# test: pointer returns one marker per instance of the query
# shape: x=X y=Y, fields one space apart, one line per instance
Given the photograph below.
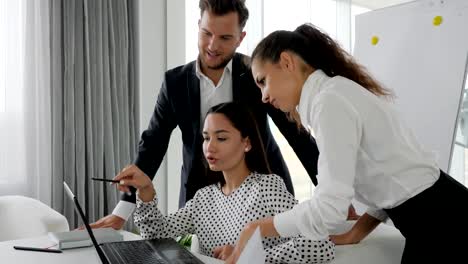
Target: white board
x=424 y=64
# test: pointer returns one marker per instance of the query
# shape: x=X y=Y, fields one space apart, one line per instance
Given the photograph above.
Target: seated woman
x=245 y=191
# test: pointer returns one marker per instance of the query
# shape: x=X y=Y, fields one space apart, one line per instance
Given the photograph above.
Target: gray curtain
x=94 y=101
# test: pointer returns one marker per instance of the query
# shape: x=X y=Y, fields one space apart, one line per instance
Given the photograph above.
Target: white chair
x=22 y=217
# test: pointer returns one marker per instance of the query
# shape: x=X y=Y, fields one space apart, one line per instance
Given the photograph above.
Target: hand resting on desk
x=111 y=220
x=358 y=232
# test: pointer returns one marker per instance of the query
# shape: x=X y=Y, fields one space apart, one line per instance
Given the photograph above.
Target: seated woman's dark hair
x=243 y=120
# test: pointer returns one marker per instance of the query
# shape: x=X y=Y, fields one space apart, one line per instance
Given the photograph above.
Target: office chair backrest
x=23 y=217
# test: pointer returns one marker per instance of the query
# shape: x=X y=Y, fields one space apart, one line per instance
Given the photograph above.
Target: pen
x=50 y=250
x=105 y=180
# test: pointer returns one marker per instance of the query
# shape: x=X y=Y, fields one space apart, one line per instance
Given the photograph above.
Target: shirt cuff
x=377 y=213
x=124 y=209
x=140 y=203
x=285 y=224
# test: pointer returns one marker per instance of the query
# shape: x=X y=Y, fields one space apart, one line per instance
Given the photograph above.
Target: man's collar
x=199 y=73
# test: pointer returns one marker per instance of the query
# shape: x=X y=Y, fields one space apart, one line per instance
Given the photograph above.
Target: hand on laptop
x=133 y=176
x=111 y=220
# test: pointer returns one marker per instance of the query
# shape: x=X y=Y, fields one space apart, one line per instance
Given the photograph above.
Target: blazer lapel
x=193 y=83
x=239 y=72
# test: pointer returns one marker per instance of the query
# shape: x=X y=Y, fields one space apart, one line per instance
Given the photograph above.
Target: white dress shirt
x=365 y=152
x=210 y=95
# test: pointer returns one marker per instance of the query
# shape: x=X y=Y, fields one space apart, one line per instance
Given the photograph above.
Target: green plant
x=185 y=241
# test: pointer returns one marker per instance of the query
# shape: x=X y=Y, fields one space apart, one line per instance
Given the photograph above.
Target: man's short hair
x=223 y=7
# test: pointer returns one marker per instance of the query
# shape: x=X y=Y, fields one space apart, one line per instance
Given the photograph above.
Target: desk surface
x=86 y=255
x=383 y=246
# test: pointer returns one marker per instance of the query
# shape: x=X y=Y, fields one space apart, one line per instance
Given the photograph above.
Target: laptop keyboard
x=137 y=253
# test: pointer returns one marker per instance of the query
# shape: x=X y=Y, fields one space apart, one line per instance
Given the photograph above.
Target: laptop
x=155 y=251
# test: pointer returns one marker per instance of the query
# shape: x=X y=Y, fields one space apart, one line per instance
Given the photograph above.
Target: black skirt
x=434 y=223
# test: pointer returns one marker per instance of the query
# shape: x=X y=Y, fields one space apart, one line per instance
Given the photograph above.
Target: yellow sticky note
x=374 y=40
x=437 y=20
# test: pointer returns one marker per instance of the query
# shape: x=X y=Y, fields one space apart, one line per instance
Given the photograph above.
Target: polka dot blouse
x=217 y=219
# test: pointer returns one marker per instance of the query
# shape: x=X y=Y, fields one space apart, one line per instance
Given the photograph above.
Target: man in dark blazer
x=180 y=103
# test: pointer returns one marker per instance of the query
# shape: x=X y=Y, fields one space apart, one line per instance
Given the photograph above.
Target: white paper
x=253 y=252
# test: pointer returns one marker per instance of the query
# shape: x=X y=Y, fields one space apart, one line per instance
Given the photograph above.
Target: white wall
x=152 y=65
x=175 y=27
x=161 y=47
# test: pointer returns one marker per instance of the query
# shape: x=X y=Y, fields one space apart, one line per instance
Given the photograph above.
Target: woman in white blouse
x=366 y=152
x=244 y=191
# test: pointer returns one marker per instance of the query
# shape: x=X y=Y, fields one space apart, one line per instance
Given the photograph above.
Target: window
x=459 y=159
x=11 y=63
x=2 y=54
x=11 y=92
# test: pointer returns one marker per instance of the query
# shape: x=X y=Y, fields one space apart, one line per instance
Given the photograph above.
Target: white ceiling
x=376 y=4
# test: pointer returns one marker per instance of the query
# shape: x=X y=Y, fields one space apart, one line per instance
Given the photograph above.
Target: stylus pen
x=50 y=250
x=104 y=180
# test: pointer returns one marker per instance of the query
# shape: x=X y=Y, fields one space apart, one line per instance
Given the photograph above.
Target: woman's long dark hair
x=320 y=51
x=243 y=120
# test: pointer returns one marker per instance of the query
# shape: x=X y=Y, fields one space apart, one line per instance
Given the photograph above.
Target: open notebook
x=80 y=238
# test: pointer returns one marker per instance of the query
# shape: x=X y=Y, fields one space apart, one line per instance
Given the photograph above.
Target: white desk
x=383 y=246
x=86 y=255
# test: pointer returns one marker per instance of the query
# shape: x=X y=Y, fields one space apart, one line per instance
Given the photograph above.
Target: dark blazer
x=178 y=104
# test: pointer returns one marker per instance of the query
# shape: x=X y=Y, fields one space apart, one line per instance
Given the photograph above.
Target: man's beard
x=220 y=65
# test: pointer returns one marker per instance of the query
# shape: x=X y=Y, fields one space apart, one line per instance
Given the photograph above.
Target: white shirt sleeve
x=285 y=224
x=337 y=128
x=296 y=249
x=124 y=209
